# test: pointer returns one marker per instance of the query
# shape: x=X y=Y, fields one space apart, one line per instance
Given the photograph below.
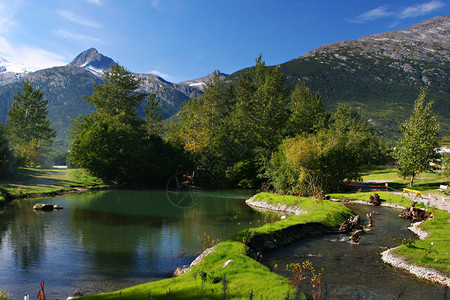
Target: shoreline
x=422 y=272
x=387 y=256
x=279 y=208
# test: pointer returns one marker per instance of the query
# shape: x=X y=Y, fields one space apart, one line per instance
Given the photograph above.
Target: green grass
x=427 y=182
x=434 y=251
x=420 y=252
x=28 y=182
x=384 y=196
x=244 y=275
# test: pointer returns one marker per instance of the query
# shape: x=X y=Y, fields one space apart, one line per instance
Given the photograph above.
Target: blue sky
x=187 y=39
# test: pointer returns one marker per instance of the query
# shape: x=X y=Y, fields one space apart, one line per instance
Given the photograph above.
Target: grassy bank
x=29 y=182
x=434 y=251
x=384 y=196
x=244 y=276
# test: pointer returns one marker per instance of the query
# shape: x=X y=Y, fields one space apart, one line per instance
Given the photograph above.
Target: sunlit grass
x=33 y=181
x=426 y=182
x=434 y=251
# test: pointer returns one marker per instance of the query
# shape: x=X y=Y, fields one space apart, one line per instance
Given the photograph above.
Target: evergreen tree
x=261 y=108
x=115 y=144
x=5 y=154
x=419 y=143
x=110 y=142
x=306 y=112
x=153 y=116
x=28 y=127
x=118 y=94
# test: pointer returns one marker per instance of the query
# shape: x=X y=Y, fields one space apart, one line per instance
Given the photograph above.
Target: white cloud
x=420 y=9
x=374 y=14
x=397 y=12
x=7 y=12
x=30 y=56
x=160 y=74
x=98 y=2
x=77 y=19
x=78 y=37
x=18 y=52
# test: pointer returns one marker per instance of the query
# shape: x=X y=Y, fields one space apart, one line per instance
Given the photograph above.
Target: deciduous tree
x=419 y=143
x=28 y=127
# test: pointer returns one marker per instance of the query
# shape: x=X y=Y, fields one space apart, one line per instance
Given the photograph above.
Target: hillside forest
x=257 y=132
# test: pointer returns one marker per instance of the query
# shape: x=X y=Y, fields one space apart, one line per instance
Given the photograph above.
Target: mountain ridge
x=380 y=73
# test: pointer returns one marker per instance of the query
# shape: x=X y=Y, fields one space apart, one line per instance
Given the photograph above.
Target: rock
x=43 y=207
x=180 y=270
x=56 y=206
x=227 y=263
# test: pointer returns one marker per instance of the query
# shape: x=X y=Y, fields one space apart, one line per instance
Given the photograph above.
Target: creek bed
x=356 y=271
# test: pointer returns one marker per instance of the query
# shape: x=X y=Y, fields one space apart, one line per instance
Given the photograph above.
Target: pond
x=356 y=271
x=108 y=240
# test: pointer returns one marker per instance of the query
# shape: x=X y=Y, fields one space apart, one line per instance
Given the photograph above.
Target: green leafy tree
x=28 y=127
x=114 y=143
x=5 y=154
x=109 y=142
x=306 y=112
x=108 y=147
x=261 y=108
x=118 y=94
x=419 y=143
x=362 y=139
x=445 y=163
x=308 y=164
x=153 y=116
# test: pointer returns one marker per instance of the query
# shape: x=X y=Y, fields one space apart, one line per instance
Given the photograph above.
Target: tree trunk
x=412 y=180
x=369 y=217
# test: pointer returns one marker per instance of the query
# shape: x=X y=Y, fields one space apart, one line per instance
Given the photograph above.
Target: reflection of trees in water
x=27 y=237
x=115 y=241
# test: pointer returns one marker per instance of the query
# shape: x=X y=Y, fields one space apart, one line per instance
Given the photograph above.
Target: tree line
x=252 y=133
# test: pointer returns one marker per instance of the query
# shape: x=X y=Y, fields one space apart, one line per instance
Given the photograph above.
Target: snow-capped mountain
x=93 y=61
x=10 y=71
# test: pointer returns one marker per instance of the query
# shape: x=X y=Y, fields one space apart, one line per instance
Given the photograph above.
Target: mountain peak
x=199 y=82
x=92 y=59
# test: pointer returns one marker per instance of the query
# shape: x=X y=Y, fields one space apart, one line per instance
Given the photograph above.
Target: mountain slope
x=382 y=73
x=65 y=87
x=199 y=82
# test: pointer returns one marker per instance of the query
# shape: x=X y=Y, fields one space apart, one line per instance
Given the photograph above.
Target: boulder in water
x=43 y=207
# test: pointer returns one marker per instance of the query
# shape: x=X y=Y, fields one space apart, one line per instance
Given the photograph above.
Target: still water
x=108 y=240
x=356 y=271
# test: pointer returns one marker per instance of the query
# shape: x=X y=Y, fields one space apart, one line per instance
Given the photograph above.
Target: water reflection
x=109 y=240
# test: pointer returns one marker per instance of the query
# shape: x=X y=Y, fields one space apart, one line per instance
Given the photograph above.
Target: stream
x=356 y=271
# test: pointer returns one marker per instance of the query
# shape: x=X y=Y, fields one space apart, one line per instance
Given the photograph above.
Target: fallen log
x=375 y=200
x=413 y=213
x=356 y=236
x=369 y=218
x=350 y=225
